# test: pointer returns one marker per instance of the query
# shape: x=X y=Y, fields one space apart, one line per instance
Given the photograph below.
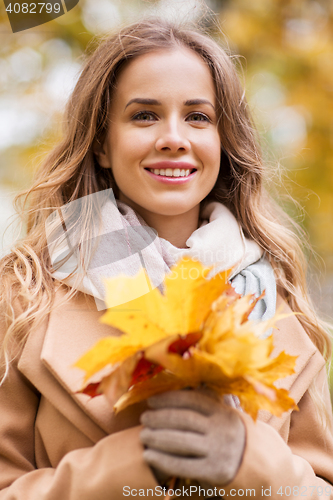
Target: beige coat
x=58 y=445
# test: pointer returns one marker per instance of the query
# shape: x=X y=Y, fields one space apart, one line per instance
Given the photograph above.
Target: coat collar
x=73 y=327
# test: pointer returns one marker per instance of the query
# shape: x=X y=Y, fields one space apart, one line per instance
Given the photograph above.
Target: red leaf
x=91 y=390
x=144 y=370
x=181 y=345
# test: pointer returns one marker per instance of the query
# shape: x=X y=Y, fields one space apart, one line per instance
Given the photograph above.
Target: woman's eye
x=144 y=116
x=198 y=117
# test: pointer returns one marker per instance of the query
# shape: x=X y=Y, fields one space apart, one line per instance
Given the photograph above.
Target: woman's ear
x=101 y=154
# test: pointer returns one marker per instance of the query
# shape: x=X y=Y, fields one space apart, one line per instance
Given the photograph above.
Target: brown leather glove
x=193 y=435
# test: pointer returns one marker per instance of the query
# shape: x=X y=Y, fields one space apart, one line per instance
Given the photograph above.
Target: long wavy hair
x=71 y=171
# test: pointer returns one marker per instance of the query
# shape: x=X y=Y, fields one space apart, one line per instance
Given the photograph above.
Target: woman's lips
x=181 y=165
x=171 y=180
x=171 y=164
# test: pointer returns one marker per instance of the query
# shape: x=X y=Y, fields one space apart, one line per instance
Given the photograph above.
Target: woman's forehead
x=163 y=72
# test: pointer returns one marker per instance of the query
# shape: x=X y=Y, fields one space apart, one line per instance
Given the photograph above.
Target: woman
x=158 y=116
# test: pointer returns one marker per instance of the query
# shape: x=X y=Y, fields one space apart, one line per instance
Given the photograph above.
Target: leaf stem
x=170 y=487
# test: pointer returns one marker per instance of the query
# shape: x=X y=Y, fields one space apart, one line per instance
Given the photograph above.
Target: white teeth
x=169 y=172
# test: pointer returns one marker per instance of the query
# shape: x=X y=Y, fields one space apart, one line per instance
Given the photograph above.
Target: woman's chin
x=173 y=209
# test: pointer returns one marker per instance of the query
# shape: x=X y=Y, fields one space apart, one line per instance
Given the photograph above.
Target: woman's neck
x=174 y=228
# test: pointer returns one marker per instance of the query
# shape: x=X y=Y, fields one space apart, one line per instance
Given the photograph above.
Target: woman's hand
x=193 y=435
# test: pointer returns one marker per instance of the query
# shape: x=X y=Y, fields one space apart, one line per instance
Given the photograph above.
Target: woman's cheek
x=136 y=144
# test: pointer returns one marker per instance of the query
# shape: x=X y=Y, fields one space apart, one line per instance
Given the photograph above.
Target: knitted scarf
x=123 y=244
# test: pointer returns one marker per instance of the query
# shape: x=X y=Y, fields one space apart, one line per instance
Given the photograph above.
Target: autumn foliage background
x=286 y=64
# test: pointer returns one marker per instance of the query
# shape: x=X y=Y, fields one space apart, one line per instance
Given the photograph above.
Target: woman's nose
x=172 y=138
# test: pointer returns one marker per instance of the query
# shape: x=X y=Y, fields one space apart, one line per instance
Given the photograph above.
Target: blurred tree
x=288 y=59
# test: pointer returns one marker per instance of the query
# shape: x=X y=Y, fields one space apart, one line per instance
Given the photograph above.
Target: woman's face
x=163 y=144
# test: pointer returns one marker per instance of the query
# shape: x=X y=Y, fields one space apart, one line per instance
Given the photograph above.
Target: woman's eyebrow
x=154 y=102
x=195 y=102
x=147 y=102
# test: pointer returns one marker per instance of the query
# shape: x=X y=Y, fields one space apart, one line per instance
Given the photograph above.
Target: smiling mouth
x=172 y=172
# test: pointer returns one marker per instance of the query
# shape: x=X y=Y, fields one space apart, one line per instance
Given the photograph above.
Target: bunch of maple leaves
x=195 y=333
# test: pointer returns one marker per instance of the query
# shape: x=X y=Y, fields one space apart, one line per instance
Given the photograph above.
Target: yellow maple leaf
x=231 y=359
x=153 y=316
x=181 y=309
x=196 y=333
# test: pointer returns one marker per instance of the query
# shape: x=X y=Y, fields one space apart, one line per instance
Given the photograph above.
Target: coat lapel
x=47 y=361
